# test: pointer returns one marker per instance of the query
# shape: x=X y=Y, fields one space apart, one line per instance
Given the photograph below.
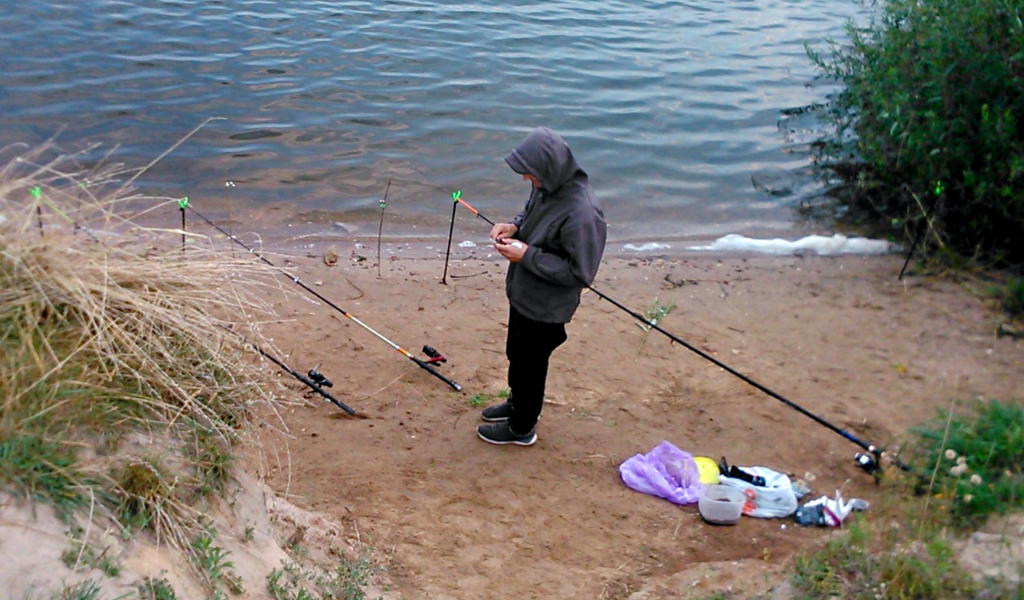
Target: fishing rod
x=870 y=463
x=314 y=380
x=451 y=229
x=423 y=364
x=380 y=228
x=317 y=386
x=921 y=229
x=456 y=195
x=456 y=201
x=313 y=385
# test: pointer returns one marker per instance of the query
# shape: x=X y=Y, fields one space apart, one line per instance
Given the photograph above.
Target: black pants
x=528 y=348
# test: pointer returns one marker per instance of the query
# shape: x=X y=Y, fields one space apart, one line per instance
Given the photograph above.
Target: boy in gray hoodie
x=554 y=247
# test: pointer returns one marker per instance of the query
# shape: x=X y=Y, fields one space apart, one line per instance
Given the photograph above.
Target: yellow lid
x=708 y=469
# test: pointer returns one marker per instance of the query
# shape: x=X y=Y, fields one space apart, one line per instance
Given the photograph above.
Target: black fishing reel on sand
x=875 y=461
x=869 y=463
x=318 y=378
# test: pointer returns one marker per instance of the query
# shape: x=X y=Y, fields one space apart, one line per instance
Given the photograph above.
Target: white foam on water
x=648 y=247
x=823 y=245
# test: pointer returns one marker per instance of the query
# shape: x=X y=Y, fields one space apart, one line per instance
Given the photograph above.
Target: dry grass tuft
x=102 y=336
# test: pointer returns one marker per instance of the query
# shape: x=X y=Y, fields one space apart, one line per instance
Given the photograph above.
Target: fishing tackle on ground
x=737 y=473
x=423 y=364
x=306 y=380
x=311 y=382
x=434 y=355
x=870 y=462
x=318 y=378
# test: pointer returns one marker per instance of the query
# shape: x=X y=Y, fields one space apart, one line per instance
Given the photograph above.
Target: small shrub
x=849 y=567
x=209 y=451
x=351 y=576
x=345 y=582
x=653 y=314
x=1012 y=296
x=212 y=561
x=156 y=589
x=81 y=553
x=145 y=492
x=86 y=590
x=978 y=462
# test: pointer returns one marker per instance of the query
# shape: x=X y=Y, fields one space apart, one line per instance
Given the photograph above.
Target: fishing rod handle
x=316 y=388
x=309 y=382
x=435 y=373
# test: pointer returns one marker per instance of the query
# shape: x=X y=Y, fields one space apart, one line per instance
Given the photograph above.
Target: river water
x=673 y=107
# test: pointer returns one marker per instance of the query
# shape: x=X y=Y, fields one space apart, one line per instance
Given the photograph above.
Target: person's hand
x=513 y=250
x=503 y=230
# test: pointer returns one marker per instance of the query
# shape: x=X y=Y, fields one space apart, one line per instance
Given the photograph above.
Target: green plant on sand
x=484 y=399
x=653 y=314
x=977 y=461
x=345 y=582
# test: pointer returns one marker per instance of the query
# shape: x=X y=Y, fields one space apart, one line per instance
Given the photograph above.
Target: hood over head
x=546 y=156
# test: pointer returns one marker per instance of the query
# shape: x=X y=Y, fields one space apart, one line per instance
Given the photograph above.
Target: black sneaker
x=497 y=413
x=501 y=433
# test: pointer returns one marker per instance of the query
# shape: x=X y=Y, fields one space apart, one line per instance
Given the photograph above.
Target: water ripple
x=670 y=105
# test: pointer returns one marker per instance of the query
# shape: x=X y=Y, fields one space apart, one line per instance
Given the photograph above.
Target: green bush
x=978 y=461
x=931 y=122
x=1012 y=296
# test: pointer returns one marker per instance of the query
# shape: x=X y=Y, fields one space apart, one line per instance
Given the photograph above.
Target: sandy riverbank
x=839 y=336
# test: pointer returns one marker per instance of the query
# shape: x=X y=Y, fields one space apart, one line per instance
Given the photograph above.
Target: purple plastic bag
x=666 y=472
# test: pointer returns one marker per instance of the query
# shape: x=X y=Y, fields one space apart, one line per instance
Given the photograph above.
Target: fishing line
x=300 y=283
x=456 y=196
x=139 y=173
x=868 y=462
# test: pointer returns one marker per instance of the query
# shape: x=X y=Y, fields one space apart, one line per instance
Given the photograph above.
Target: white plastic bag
x=827 y=512
x=775 y=499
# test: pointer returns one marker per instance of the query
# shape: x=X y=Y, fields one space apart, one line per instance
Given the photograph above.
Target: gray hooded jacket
x=563 y=226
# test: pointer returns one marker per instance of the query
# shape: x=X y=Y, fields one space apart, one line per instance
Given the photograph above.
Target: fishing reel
x=318 y=378
x=866 y=462
x=870 y=463
x=434 y=357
